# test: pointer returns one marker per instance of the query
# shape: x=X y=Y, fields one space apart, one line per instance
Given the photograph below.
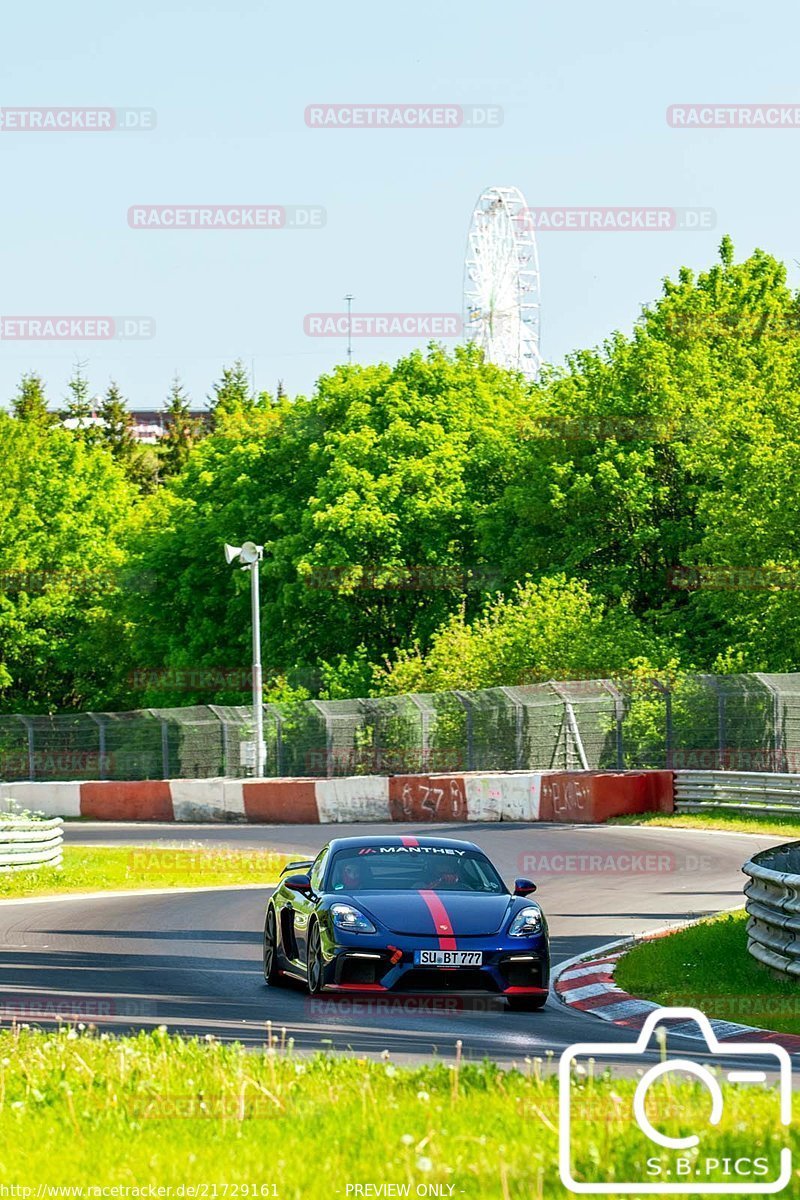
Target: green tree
x=232 y=395
x=117 y=428
x=553 y=629
x=63 y=508
x=181 y=430
x=80 y=407
x=30 y=402
x=367 y=497
x=675 y=446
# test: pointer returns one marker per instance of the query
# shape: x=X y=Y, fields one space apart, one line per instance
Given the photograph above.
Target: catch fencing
x=26 y=843
x=695 y=723
x=773 y=907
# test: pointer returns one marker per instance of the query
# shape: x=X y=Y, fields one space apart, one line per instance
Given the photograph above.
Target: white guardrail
x=26 y=842
x=753 y=791
x=773 y=907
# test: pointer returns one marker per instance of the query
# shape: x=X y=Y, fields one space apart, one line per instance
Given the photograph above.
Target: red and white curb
x=587 y=985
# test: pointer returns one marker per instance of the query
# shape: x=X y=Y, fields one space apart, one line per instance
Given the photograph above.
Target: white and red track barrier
x=561 y=796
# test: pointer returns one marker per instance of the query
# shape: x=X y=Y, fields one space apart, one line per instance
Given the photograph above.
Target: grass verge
x=707 y=966
x=733 y=822
x=123 y=868
x=81 y=1111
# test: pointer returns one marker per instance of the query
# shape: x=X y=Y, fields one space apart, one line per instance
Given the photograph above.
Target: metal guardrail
x=773 y=905
x=753 y=791
x=26 y=843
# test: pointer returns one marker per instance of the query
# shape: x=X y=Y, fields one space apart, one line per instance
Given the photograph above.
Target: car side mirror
x=298 y=883
x=524 y=887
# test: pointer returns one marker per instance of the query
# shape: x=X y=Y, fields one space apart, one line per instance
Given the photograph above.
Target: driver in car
x=439 y=874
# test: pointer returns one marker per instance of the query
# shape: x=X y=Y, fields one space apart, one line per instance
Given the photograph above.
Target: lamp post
x=248 y=556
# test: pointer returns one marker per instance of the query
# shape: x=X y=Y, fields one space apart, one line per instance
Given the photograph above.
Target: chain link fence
x=696 y=722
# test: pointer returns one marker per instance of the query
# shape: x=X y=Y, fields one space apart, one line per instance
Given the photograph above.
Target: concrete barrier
x=360 y=798
x=594 y=796
x=281 y=801
x=53 y=799
x=145 y=800
x=513 y=796
x=560 y=796
x=427 y=798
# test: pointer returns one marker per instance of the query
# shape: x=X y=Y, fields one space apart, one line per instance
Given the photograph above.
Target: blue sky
x=584 y=88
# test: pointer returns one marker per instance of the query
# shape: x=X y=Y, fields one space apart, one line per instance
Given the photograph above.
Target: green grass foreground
x=123 y=868
x=725 y=819
x=84 y=1110
x=707 y=966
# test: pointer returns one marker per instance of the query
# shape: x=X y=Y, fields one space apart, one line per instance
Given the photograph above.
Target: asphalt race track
x=192 y=960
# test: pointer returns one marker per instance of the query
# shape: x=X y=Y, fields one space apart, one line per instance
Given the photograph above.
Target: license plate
x=448 y=958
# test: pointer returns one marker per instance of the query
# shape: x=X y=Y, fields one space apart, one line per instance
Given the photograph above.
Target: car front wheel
x=314 y=962
x=272 y=975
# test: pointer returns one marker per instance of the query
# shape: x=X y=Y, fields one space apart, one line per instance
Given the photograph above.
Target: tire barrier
x=560 y=796
x=26 y=843
x=773 y=906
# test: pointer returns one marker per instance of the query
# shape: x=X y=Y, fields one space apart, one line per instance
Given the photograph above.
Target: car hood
x=436 y=913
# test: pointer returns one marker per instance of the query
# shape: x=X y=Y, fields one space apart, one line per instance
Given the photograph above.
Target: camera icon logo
x=673 y=1162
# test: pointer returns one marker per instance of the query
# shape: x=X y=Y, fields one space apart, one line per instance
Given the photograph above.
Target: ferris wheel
x=501 y=282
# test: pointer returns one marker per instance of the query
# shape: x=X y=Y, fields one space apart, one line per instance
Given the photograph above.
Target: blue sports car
x=406 y=914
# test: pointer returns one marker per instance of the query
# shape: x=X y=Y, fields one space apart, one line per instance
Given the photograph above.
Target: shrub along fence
x=697 y=722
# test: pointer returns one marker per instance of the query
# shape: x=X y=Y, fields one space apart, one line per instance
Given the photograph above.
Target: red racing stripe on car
x=409 y=841
x=441 y=921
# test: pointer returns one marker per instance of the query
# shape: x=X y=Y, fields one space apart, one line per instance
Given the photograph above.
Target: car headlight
x=526 y=923
x=349 y=918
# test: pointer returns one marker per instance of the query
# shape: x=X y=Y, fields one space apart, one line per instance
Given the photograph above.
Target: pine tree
x=181 y=430
x=117 y=429
x=30 y=402
x=280 y=394
x=80 y=406
x=232 y=394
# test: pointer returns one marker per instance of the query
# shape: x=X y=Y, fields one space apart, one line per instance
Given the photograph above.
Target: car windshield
x=404 y=868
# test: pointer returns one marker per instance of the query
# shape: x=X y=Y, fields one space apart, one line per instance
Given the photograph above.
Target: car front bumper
x=369 y=963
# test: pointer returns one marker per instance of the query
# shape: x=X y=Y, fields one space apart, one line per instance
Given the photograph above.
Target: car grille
x=434 y=979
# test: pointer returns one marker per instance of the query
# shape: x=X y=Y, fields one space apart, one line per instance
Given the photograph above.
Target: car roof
x=343 y=843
